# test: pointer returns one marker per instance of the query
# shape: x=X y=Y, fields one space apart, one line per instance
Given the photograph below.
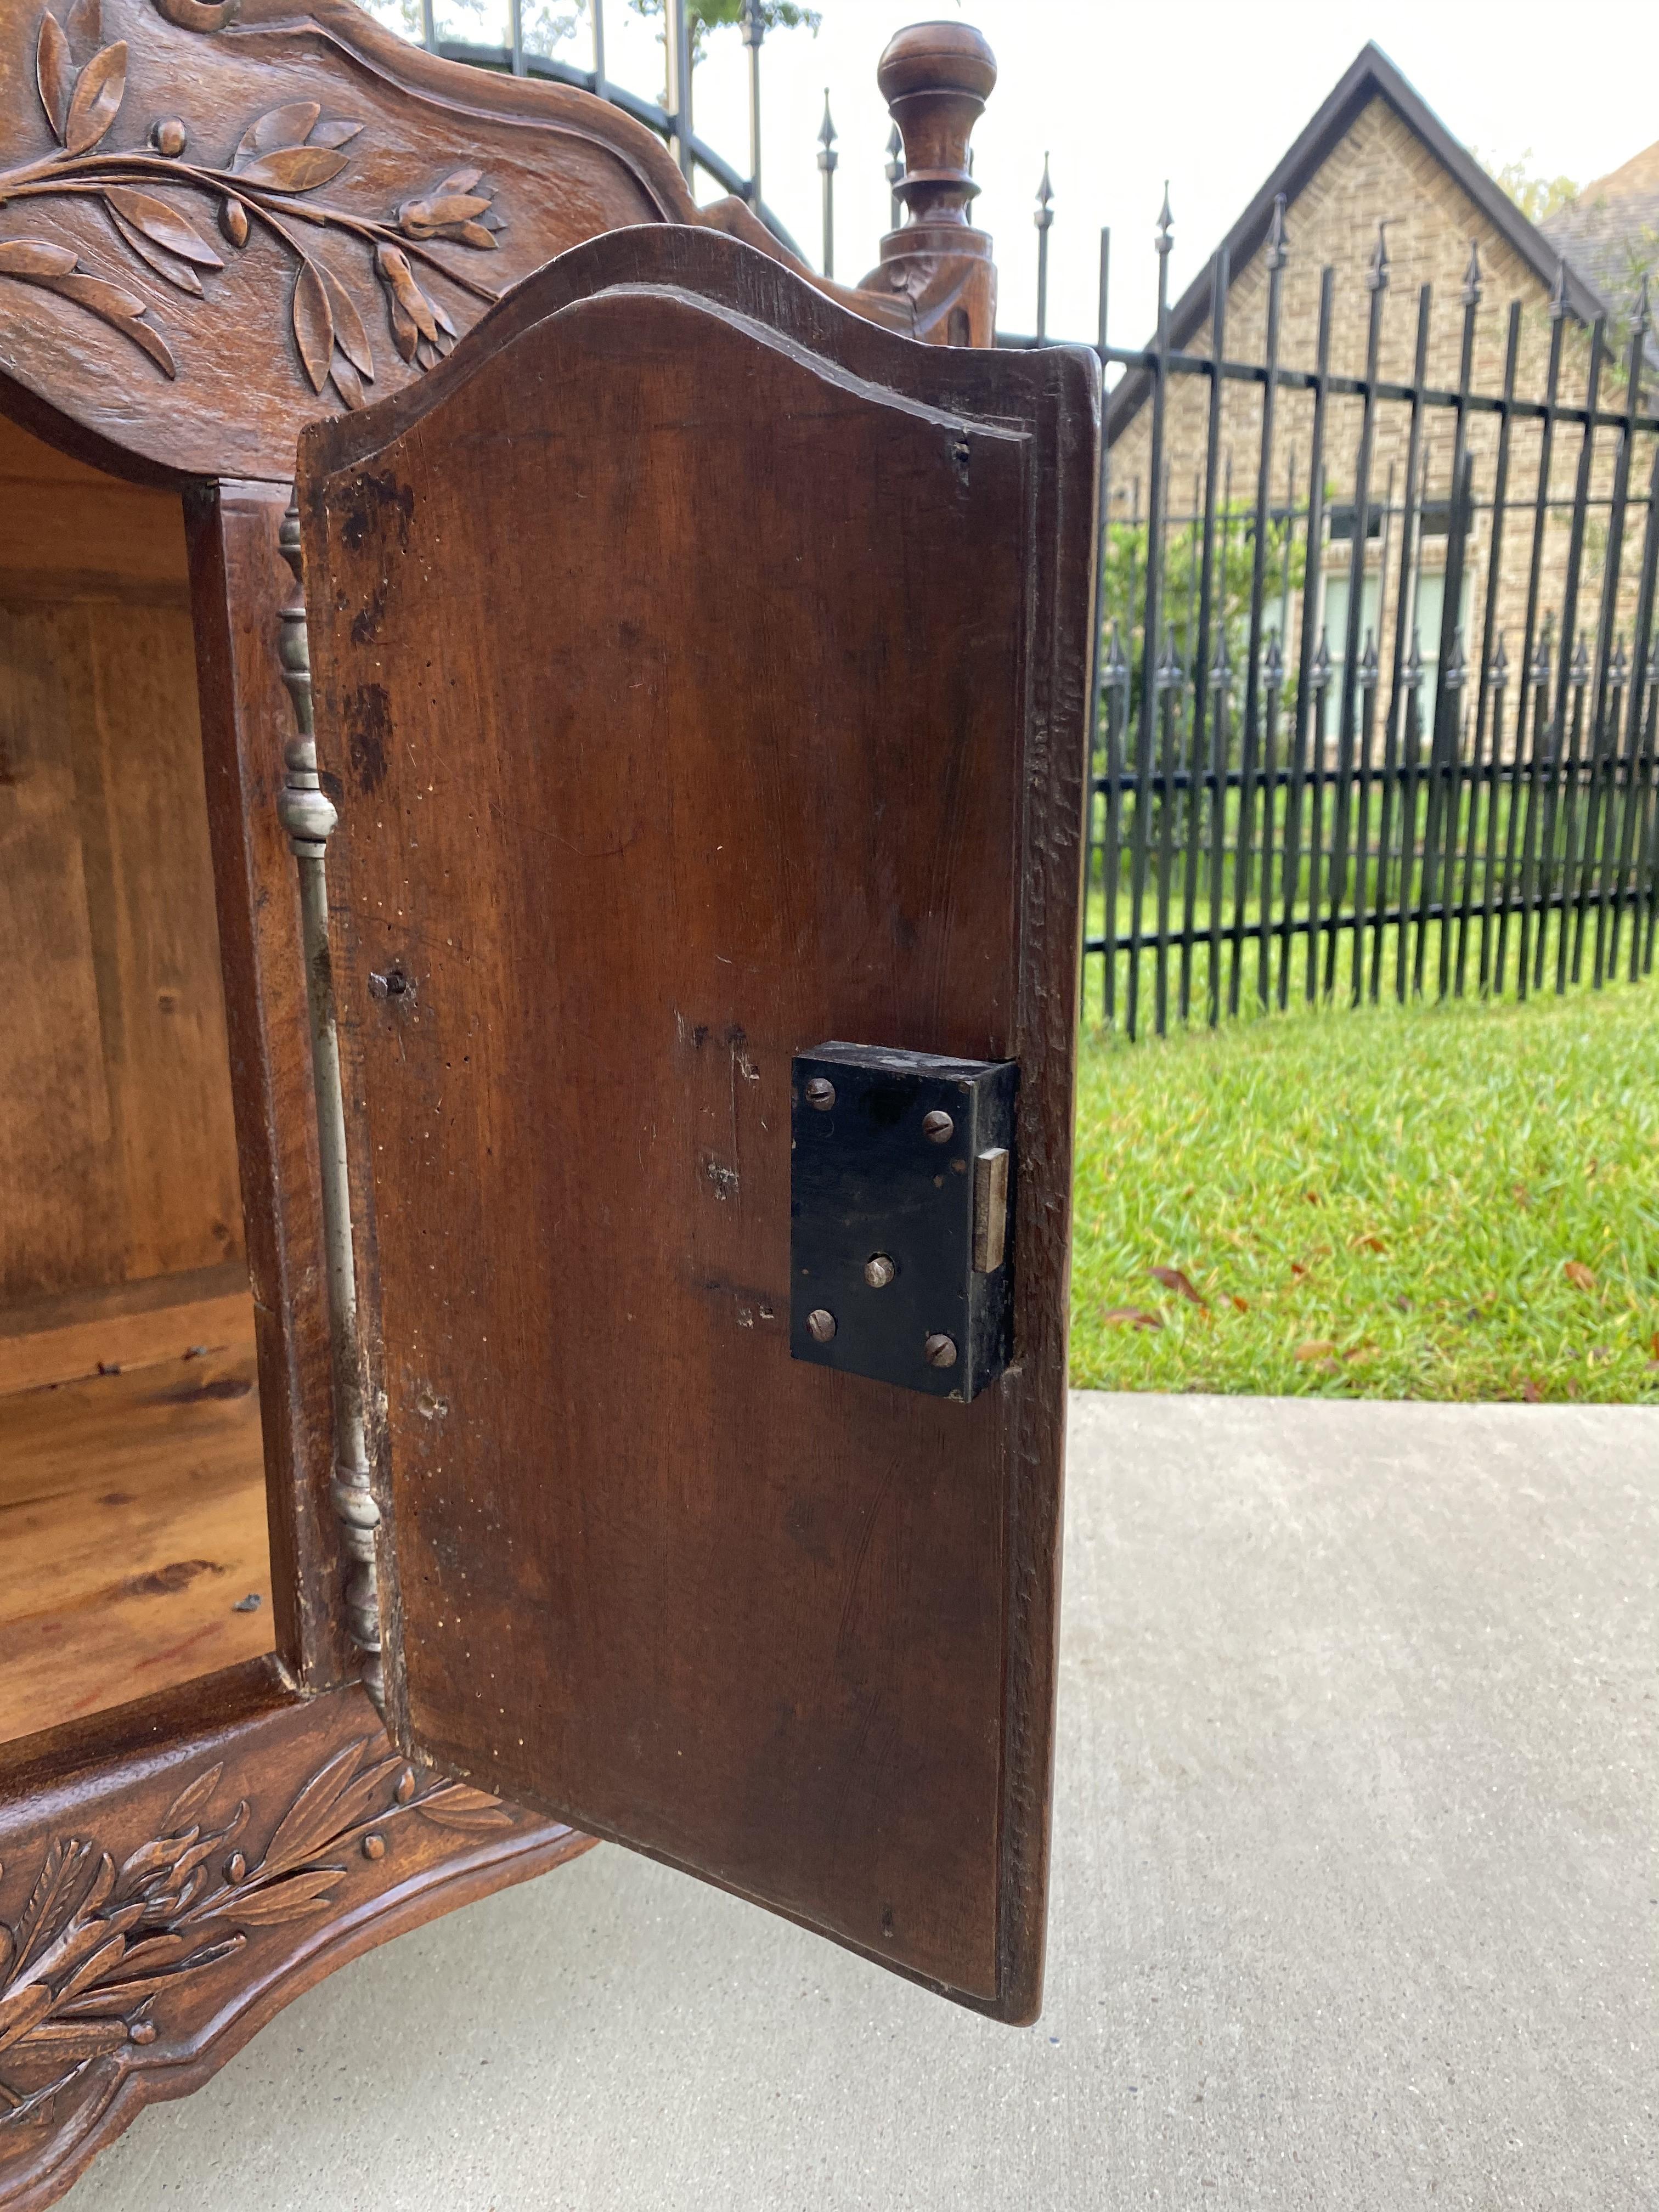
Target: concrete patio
x=1354 y=1900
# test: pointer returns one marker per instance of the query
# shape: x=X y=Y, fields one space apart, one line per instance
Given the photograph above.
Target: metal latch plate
x=902 y=1246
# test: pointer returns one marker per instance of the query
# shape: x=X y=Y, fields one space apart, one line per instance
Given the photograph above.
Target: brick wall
x=1381 y=169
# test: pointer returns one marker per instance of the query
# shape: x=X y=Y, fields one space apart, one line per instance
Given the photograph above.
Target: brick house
x=1376 y=153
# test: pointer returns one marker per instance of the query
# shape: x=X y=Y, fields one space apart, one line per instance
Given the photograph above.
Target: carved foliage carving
x=99 y=1946
x=179 y=216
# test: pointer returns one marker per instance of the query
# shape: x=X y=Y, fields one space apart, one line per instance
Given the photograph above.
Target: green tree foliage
x=706 y=15
x=1537 y=198
x=1234 y=559
x=547 y=25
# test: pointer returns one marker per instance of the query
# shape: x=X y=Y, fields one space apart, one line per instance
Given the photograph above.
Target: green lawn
x=1450 y=1201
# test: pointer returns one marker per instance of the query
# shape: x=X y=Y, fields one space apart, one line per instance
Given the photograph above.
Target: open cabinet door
x=705 y=676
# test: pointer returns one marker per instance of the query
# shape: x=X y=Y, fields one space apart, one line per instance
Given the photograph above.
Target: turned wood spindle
x=936 y=78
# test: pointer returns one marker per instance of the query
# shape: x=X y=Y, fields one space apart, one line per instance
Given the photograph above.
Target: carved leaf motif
x=20 y=2009
x=34 y=257
x=195 y=15
x=113 y=1997
x=192 y=1801
x=285 y=152
x=86 y=26
x=175 y=272
x=53 y=1899
x=296 y=1893
x=393 y=264
x=163 y=225
x=404 y=335
x=349 y=384
x=290 y=125
x=295 y=169
x=123 y=309
x=154 y=1857
x=102 y=1959
x=88 y=1974
x=470 y=1810
x=313 y=324
x=77 y=2039
x=99 y=92
x=311 y=1820
x=78 y=1943
x=54 y=72
x=349 y=332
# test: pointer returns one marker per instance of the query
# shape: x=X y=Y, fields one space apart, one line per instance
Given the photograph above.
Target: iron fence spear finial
x=1470 y=294
x=1043 y=217
x=1279 y=243
x=1376 y=276
x=754 y=31
x=1165 y=220
x=827 y=158
x=1559 y=291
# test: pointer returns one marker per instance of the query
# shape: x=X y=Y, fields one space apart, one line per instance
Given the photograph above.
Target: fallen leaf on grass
x=1368 y=1243
x=1319 y=1348
x=1130 y=1316
x=1313 y=1198
x=1172 y=1279
x=1298 y=1271
x=1581 y=1277
x=1522 y=1195
x=1531 y=1393
x=1244 y=1305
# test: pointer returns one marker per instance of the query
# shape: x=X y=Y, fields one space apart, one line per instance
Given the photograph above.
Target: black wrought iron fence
x=1378 y=680
x=1376 y=699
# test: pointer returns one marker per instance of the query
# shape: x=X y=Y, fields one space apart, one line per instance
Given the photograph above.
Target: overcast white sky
x=1208 y=92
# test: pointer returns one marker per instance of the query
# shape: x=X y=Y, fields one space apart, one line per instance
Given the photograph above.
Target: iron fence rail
x=1362 y=733
x=1357 y=739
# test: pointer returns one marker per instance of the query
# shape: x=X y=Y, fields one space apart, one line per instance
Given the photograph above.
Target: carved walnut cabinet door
x=705 y=673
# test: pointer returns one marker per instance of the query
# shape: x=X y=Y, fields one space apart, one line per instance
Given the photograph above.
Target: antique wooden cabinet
x=533 y=1221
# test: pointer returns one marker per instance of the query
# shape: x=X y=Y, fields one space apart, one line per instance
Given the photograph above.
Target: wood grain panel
x=70 y=531
x=705 y=674
x=117 y=1149
x=132 y=1509
x=239 y=584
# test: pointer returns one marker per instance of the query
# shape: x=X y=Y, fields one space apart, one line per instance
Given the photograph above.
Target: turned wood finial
x=935 y=78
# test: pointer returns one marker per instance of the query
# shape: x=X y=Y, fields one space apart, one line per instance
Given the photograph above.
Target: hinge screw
x=879 y=1271
x=821 y=1093
x=821 y=1327
x=941 y=1351
x=938 y=1129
